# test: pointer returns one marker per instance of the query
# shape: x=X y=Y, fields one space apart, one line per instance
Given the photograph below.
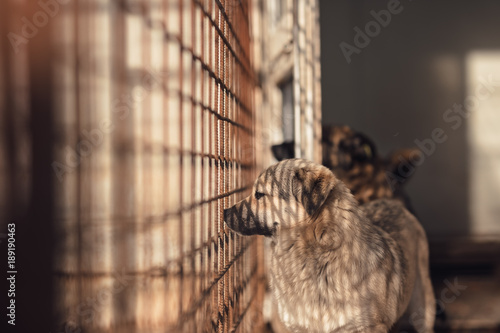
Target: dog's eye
x=259 y=195
x=368 y=150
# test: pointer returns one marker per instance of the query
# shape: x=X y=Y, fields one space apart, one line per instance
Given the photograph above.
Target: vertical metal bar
x=96 y=225
x=317 y=81
x=223 y=159
x=170 y=318
x=174 y=295
x=144 y=148
x=220 y=173
x=212 y=226
x=154 y=283
x=204 y=181
x=122 y=162
x=79 y=229
x=194 y=188
x=181 y=145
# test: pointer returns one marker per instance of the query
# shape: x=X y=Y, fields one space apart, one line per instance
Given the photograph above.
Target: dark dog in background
x=353 y=158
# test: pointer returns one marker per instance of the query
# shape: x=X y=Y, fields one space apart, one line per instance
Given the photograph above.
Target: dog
x=353 y=158
x=336 y=265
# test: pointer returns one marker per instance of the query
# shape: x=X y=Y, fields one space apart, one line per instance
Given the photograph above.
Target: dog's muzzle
x=244 y=225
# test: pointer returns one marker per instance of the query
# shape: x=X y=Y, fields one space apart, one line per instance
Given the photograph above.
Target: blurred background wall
x=399 y=86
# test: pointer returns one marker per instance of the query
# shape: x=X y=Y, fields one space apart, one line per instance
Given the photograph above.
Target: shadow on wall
x=422 y=73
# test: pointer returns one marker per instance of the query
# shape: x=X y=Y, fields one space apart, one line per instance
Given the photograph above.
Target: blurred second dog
x=353 y=158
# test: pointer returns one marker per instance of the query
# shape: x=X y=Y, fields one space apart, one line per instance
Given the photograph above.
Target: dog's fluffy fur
x=336 y=266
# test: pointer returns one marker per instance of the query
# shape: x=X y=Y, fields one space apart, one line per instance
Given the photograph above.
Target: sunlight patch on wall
x=483 y=91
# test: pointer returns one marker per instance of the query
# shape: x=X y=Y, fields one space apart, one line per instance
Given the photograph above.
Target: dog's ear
x=400 y=163
x=312 y=186
x=284 y=151
x=318 y=232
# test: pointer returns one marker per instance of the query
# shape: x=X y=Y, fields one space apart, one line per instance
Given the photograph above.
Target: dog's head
x=343 y=148
x=283 y=196
x=353 y=158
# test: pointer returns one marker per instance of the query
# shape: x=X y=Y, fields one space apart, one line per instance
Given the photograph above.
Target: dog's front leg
x=422 y=307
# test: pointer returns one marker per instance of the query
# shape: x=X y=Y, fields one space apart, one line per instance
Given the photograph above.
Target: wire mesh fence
x=153 y=119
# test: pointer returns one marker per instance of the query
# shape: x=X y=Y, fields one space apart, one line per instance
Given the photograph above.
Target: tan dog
x=336 y=266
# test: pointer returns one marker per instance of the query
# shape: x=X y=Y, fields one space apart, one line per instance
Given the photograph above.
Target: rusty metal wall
x=152 y=133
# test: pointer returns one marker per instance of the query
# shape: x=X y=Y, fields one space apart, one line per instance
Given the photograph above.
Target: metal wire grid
x=154 y=121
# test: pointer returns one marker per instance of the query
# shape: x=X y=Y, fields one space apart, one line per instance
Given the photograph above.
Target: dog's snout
x=242 y=220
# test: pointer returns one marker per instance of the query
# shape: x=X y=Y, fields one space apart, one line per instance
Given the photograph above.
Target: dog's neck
x=338 y=227
x=327 y=256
